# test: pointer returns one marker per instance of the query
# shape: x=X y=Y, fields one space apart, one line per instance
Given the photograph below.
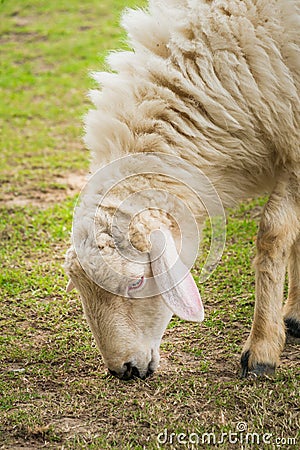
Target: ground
x=55 y=390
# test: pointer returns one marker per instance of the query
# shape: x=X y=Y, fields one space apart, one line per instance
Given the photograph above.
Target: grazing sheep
x=214 y=83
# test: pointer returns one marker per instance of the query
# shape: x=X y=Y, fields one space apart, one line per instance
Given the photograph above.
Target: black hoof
x=259 y=370
x=244 y=364
x=292 y=327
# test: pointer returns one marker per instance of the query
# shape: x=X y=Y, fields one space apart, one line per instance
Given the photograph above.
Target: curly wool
x=213 y=82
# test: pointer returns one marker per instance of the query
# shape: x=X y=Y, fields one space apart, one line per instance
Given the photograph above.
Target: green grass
x=47 y=49
x=54 y=389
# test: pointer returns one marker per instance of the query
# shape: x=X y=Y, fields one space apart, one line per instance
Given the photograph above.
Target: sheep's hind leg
x=291 y=309
x=278 y=231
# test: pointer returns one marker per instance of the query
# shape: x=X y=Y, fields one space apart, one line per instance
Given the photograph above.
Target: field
x=54 y=389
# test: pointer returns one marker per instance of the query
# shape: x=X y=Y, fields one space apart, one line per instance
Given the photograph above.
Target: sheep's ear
x=175 y=282
x=70 y=286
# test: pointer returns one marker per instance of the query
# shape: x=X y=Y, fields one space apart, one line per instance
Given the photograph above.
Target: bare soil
x=64 y=186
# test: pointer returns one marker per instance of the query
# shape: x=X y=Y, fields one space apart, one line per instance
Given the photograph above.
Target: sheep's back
x=215 y=82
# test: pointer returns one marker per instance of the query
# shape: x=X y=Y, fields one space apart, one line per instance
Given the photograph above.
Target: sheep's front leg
x=292 y=307
x=278 y=230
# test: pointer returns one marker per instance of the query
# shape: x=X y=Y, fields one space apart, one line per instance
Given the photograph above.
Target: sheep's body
x=215 y=83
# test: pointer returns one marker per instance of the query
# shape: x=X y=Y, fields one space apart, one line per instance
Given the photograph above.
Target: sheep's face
x=127 y=331
x=128 y=304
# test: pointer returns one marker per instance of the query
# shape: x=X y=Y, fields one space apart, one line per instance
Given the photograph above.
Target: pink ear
x=175 y=282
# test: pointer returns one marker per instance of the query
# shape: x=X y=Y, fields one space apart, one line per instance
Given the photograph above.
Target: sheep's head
x=128 y=301
x=132 y=253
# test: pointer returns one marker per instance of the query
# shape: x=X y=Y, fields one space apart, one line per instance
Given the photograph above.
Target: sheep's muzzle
x=129 y=372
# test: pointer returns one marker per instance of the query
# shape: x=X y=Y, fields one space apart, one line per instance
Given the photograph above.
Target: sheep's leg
x=291 y=309
x=278 y=231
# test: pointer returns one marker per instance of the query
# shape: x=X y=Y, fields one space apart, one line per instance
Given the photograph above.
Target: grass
x=54 y=389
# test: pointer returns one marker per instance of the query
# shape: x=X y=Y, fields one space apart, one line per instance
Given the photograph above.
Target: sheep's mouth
x=132 y=372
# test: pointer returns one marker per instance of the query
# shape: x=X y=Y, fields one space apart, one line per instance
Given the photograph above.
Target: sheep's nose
x=130 y=372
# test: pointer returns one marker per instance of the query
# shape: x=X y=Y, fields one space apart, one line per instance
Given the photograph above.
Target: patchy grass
x=47 y=49
x=54 y=389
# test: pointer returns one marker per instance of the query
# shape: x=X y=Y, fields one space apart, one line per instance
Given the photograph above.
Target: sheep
x=212 y=84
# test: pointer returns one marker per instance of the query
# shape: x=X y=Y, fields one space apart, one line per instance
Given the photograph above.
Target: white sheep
x=215 y=84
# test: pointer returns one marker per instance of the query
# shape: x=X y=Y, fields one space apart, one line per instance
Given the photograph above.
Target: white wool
x=214 y=82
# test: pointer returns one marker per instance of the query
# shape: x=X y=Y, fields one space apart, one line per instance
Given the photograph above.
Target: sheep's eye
x=136 y=284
